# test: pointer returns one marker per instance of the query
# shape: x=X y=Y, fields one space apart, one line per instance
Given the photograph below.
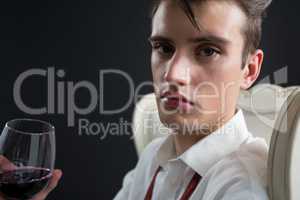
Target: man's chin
x=187 y=125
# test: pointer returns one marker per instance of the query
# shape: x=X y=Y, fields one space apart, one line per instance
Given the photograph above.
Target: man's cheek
x=208 y=104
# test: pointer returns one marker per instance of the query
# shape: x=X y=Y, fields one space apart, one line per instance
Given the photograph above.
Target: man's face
x=197 y=73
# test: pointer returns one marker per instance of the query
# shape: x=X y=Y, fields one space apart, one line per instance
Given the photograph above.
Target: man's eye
x=163 y=48
x=208 y=51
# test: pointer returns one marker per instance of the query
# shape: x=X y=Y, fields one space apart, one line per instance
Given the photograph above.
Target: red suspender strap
x=150 y=189
x=187 y=193
x=191 y=187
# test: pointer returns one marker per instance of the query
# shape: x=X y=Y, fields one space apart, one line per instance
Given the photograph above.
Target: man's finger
x=56 y=175
x=54 y=180
x=5 y=164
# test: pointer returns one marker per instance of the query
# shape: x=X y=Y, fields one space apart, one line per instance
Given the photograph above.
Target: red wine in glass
x=23 y=183
x=27 y=155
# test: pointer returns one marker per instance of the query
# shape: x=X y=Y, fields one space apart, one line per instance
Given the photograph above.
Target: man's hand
x=56 y=175
x=5 y=165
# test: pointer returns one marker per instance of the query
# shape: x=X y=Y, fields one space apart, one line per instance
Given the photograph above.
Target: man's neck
x=183 y=142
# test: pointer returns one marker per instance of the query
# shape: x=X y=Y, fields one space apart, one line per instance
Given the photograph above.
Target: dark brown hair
x=255 y=11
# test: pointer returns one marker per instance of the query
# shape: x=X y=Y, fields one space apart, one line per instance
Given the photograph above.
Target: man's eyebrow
x=159 y=38
x=210 y=38
x=206 y=38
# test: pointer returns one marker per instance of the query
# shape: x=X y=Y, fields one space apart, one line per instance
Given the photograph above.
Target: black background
x=82 y=37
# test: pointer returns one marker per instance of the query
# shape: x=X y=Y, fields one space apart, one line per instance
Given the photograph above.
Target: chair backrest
x=260 y=104
x=284 y=156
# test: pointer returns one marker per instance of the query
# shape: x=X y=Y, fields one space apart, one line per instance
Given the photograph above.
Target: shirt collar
x=205 y=153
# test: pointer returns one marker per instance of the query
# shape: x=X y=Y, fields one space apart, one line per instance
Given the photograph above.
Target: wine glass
x=27 y=156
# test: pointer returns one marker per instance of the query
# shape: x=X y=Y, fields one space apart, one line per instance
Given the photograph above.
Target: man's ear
x=252 y=69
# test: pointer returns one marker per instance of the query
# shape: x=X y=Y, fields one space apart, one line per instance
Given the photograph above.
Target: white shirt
x=232 y=163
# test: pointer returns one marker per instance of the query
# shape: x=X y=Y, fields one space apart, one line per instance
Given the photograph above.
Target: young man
x=203 y=53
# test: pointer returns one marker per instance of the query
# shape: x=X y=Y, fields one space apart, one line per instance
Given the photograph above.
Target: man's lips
x=175 y=96
x=176 y=100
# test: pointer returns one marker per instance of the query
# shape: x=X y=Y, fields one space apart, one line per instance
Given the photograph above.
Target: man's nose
x=178 y=70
